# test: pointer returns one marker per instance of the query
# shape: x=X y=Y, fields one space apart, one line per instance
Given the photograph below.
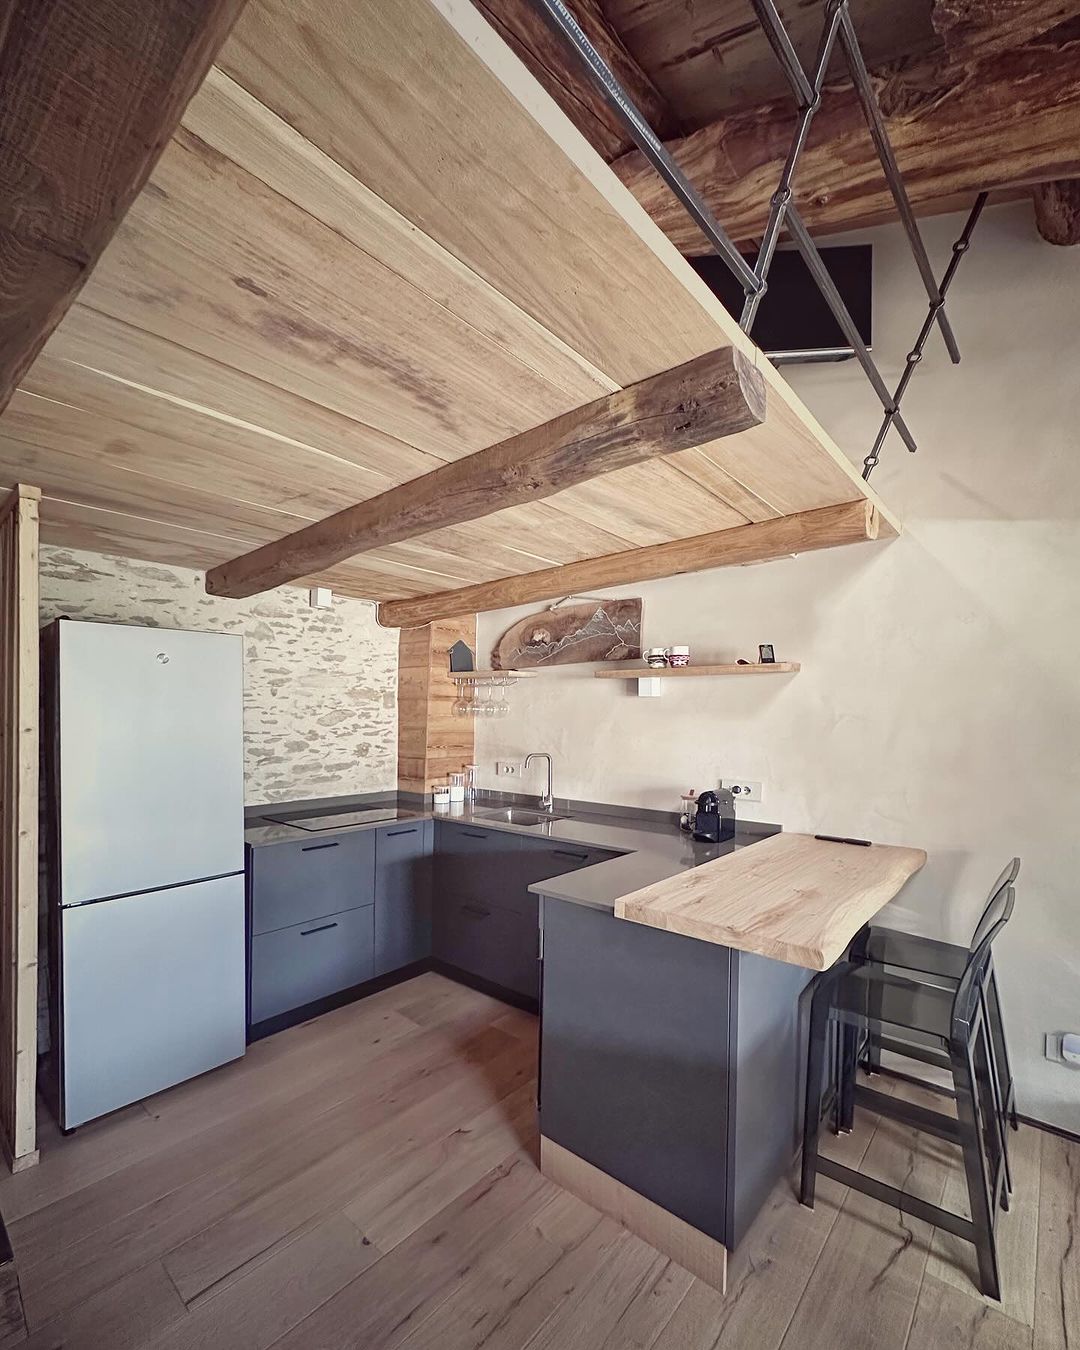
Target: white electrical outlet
x=1063 y=1047
x=743 y=789
x=507 y=768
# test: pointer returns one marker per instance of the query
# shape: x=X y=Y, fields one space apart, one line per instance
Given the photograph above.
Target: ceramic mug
x=678 y=656
x=656 y=657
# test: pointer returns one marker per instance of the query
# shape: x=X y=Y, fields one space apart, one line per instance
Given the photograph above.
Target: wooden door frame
x=19 y=744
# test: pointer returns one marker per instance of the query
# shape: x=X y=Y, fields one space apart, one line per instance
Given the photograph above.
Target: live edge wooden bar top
x=792 y=897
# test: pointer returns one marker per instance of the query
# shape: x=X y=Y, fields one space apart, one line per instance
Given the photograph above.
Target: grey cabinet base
x=482 y=986
x=294 y=1016
x=695 y=1251
x=271 y=1025
x=671 y=1065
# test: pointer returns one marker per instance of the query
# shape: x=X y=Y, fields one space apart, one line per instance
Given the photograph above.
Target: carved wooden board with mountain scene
x=604 y=630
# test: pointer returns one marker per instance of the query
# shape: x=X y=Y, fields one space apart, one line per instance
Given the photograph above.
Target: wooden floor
x=368 y=1180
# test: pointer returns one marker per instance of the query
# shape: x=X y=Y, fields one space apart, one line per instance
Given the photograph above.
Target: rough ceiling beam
x=548 y=58
x=90 y=93
x=957 y=127
x=1057 y=211
x=984 y=26
x=828 y=527
x=715 y=395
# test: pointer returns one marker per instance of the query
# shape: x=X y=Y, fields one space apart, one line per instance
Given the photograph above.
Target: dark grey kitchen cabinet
x=484 y=918
x=671 y=1064
x=493 y=943
x=304 y=879
x=294 y=966
x=312 y=920
x=474 y=863
x=337 y=910
x=402 y=895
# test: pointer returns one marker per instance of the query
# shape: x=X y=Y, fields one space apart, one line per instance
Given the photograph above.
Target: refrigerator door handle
x=307 y=932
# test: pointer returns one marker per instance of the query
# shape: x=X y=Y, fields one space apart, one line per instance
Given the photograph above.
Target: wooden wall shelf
x=492 y=676
x=682 y=672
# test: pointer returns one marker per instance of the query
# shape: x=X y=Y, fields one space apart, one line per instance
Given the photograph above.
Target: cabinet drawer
x=402 y=842
x=481 y=865
x=496 y=944
x=451 y=839
x=294 y=966
x=311 y=877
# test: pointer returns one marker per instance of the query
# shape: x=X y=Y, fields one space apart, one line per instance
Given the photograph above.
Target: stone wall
x=320 y=685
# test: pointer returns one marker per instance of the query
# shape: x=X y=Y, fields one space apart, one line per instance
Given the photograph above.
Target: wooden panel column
x=432 y=742
x=18 y=824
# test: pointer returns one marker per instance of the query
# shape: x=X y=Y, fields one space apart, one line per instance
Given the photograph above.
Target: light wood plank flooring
x=368 y=1180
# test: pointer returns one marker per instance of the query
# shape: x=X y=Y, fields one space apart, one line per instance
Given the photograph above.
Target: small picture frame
x=766 y=655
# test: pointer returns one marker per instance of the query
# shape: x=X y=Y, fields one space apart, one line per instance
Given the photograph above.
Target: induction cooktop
x=340 y=819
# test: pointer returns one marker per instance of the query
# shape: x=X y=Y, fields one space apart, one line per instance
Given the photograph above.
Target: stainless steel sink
x=517 y=815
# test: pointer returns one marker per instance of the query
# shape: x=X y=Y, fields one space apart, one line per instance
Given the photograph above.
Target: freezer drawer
x=151 y=775
x=152 y=993
x=294 y=966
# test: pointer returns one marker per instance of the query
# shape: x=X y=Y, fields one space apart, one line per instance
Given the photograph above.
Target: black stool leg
x=815 y=1078
x=997 y=1101
x=972 y=1139
x=849 y=1054
x=872 y=1054
x=1001 y=1052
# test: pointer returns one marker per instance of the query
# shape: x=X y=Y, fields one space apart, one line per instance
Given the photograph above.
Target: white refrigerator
x=144 y=770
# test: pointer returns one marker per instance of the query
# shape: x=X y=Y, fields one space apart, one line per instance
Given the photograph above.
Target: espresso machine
x=714 y=819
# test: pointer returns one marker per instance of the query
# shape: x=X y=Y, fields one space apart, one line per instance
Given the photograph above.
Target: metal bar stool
x=942 y=963
x=953 y=1025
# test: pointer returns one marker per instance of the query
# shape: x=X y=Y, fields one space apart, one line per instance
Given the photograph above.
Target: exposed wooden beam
x=984 y=26
x=714 y=395
x=957 y=126
x=1057 y=211
x=90 y=93
x=711 y=57
x=828 y=527
x=548 y=57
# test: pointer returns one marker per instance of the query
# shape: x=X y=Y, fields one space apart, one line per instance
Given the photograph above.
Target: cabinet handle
x=565 y=853
x=411 y=830
x=310 y=848
x=474 y=834
x=478 y=910
x=307 y=932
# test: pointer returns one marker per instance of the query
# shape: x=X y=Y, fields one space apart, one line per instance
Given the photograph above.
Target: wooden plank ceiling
x=374 y=246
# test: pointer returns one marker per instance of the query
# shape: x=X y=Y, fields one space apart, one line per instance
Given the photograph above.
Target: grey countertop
x=650 y=850
x=280 y=833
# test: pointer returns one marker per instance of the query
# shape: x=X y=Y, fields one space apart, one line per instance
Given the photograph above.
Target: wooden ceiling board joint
x=234 y=123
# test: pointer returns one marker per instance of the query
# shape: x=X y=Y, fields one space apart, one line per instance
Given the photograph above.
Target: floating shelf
x=649 y=680
x=682 y=672
x=491 y=676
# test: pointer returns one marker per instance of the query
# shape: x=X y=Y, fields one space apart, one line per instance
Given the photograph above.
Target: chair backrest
x=995 y=902
x=968 y=990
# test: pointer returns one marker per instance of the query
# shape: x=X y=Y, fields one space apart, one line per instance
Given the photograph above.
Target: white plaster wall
x=939 y=701
x=320 y=685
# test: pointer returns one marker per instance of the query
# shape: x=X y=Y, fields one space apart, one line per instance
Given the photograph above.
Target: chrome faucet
x=547 y=800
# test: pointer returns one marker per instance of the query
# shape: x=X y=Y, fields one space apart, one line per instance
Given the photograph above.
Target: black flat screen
x=794 y=316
